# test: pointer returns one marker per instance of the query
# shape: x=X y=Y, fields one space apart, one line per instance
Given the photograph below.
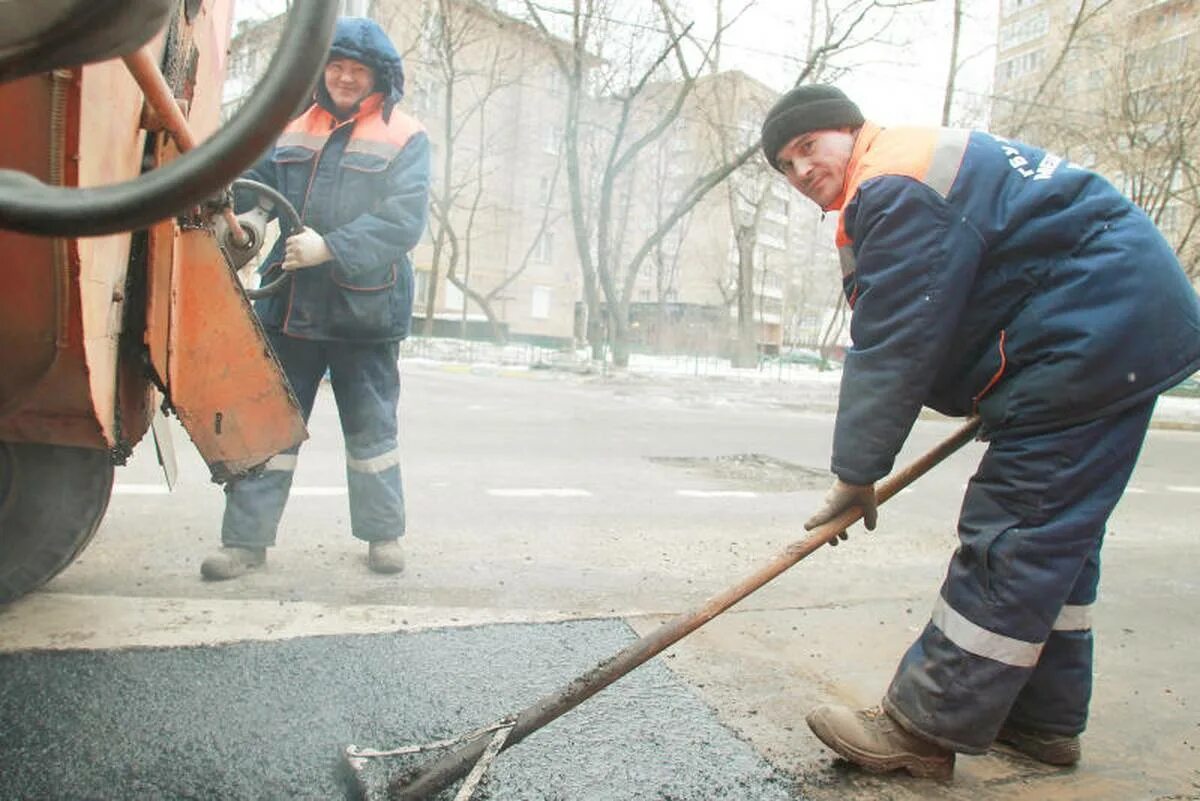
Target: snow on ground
x=1172 y=410
x=518 y=356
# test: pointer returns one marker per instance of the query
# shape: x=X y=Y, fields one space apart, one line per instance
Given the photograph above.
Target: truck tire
x=52 y=498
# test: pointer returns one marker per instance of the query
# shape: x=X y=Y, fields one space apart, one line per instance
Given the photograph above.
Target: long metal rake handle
x=427 y=781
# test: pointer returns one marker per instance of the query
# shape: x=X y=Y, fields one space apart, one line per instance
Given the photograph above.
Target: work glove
x=843 y=496
x=305 y=248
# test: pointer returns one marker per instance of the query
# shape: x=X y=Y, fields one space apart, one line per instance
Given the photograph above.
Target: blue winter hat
x=364 y=41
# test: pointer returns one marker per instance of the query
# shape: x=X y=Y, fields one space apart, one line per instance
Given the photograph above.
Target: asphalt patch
x=270 y=720
x=751 y=471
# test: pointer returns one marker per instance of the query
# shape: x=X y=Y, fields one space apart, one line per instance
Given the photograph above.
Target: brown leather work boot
x=873 y=740
x=231 y=562
x=385 y=556
x=1054 y=749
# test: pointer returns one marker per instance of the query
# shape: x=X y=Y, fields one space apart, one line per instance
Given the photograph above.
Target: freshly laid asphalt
x=269 y=720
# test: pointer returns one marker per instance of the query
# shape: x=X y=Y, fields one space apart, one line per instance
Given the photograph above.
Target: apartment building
x=489 y=91
x=1115 y=87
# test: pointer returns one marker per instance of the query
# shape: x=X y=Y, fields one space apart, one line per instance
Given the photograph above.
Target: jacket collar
x=862 y=143
x=371 y=104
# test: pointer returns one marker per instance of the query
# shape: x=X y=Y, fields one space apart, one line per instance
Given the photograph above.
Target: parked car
x=811 y=358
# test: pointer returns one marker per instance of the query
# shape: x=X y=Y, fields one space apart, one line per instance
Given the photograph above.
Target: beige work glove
x=306 y=248
x=843 y=496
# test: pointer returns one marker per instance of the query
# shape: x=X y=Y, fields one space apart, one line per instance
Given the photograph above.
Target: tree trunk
x=952 y=74
x=746 y=353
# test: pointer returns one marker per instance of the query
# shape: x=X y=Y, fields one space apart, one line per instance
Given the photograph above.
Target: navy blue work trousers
x=1010 y=637
x=366 y=386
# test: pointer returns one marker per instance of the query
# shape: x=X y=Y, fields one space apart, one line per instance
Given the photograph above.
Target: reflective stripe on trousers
x=1010 y=635
x=366 y=385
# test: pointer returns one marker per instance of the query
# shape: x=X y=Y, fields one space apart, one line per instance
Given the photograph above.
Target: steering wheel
x=254 y=225
x=32 y=207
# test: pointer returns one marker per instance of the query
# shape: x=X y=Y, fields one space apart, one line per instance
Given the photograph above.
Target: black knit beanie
x=814 y=107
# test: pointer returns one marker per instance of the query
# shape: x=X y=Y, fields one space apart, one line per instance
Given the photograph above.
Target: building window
x=427 y=98
x=1161 y=60
x=454 y=298
x=421 y=288
x=1023 y=64
x=1013 y=6
x=1021 y=31
x=554 y=82
x=543 y=251
x=540 y=304
x=553 y=140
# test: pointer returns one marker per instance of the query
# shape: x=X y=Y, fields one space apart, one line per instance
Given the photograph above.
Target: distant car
x=1188 y=388
x=810 y=358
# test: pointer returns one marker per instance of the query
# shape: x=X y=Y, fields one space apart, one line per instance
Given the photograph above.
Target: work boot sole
x=1060 y=752
x=940 y=768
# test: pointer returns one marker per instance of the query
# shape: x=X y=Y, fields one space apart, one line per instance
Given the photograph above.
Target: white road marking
x=716 y=494
x=57 y=621
x=1191 y=490
x=1134 y=491
x=140 y=489
x=546 y=492
x=319 y=491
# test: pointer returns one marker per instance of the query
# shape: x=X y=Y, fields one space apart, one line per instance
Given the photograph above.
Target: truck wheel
x=52 y=498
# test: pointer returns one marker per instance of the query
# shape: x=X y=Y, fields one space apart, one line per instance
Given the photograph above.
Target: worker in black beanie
x=806 y=108
x=988 y=277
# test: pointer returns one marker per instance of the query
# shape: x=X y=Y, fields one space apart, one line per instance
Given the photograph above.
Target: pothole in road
x=751 y=471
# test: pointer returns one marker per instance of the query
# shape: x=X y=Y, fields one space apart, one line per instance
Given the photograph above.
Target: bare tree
x=1035 y=104
x=952 y=72
x=1123 y=97
x=1149 y=138
x=469 y=77
x=647 y=95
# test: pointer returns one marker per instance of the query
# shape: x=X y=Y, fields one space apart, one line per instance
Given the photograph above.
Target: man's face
x=348 y=81
x=815 y=163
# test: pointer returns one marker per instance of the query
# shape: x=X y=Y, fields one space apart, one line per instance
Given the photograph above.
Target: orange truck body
x=93 y=329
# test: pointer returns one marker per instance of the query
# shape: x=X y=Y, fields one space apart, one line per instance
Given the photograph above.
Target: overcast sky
x=893 y=85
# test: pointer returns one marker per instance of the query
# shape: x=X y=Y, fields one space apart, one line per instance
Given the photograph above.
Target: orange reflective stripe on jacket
x=932 y=156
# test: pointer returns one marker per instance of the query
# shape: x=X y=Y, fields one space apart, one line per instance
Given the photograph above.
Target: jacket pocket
x=293 y=171
x=365 y=307
x=370 y=279
x=362 y=184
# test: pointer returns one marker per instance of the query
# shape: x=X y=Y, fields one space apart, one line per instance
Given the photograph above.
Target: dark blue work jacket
x=362 y=183
x=993 y=277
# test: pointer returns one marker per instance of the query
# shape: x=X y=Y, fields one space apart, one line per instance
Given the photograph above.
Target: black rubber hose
x=283 y=209
x=30 y=206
